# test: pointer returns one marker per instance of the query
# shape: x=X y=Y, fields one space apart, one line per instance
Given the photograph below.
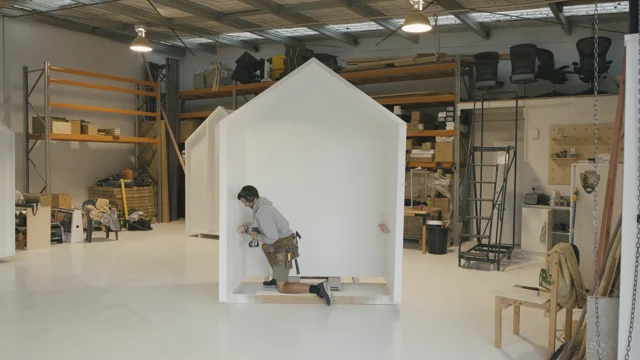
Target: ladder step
x=478 y=199
x=477 y=217
x=475 y=236
x=482 y=182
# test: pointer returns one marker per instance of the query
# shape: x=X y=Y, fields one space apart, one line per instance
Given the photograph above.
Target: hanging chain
x=595 y=168
x=635 y=273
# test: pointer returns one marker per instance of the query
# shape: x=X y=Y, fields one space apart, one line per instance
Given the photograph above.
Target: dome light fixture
x=417 y=21
x=140 y=43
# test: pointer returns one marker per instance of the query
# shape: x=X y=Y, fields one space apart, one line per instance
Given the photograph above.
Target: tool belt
x=283 y=252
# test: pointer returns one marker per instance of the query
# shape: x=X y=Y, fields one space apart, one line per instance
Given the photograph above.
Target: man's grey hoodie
x=272 y=224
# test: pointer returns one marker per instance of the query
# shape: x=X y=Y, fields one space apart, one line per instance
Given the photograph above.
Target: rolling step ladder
x=484 y=205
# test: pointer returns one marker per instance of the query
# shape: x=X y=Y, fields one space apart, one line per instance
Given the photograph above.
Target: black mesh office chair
x=547 y=71
x=486 y=71
x=585 y=70
x=523 y=65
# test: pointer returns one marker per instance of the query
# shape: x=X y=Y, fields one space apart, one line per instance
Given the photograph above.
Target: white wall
x=75 y=166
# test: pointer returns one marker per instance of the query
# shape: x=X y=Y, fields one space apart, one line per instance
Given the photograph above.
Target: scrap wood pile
x=608 y=286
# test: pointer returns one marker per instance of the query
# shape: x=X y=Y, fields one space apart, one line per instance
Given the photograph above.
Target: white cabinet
x=538 y=232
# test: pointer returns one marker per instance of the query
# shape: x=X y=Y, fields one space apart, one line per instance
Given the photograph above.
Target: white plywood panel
x=332 y=161
x=630 y=202
x=202 y=180
x=7 y=192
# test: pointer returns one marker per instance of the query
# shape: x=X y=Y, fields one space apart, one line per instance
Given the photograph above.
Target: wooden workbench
x=408 y=211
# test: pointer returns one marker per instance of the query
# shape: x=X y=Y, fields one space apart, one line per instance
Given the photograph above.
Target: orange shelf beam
x=430 y=165
x=101 y=76
x=98 y=138
x=425 y=133
x=393 y=74
x=101 y=109
x=101 y=87
x=421 y=99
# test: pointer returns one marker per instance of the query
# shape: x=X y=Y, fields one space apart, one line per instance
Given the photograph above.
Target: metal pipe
x=47 y=146
x=25 y=122
x=633 y=16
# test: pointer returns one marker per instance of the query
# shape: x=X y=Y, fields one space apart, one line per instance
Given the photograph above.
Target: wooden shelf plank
x=425 y=133
x=430 y=165
x=376 y=76
x=417 y=99
x=98 y=138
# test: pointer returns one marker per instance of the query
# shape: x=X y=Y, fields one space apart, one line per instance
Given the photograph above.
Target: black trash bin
x=437 y=240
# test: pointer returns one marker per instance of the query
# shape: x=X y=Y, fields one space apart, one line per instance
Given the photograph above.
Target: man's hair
x=248 y=189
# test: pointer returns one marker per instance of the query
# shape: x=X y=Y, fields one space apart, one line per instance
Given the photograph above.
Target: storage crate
x=139 y=198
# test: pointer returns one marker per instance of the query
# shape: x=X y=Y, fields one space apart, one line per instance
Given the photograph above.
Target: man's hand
x=254 y=235
x=244 y=228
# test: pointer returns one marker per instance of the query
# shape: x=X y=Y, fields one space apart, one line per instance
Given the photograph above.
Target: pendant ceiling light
x=417 y=21
x=140 y=43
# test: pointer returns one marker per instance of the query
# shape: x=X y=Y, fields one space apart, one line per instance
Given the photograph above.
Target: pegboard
x=579 y=137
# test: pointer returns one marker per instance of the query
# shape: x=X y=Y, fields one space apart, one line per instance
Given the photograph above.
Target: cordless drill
x=253 y=243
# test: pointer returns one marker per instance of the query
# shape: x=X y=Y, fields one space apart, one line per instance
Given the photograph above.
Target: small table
x=408 y=211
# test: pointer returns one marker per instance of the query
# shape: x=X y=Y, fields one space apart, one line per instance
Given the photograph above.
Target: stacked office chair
x=587 y=53
x=486 y=71
x=547 y=71
x=523 y=65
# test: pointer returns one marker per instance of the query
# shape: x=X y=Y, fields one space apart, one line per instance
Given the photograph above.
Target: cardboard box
x=411 y=143
x=37 y=125
x=61 y=127
x=187 y=127
x=427 y=146
x=416 y=116
x=89 y=129
x=199 y=80
x=421 y=159
x=61 y=201
x=44 y=200
x=444 y=152
x=443 y=205
x=21 y=242
x=76 y=126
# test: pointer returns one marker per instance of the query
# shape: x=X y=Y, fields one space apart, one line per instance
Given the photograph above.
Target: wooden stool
x=545 y=301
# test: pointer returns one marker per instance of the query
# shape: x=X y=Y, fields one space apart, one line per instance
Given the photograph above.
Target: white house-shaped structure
x=7 y=192
x=332 y=161
x=201 y=176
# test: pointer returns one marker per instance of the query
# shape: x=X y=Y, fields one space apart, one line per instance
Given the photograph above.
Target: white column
x=630 y=203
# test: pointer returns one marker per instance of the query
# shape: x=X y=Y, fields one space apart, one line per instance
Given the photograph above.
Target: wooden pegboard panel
x=579 y=137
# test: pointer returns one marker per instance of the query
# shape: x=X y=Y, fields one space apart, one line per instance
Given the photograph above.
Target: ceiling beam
x=302 y=20
x=378 y=17
x=558 y=13
x=176 y=51
x=284 y=9
x=135 y=13
x=458 y=12
x=242 y=25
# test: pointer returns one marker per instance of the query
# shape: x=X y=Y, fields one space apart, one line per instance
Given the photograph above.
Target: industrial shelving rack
x=454 y=68
x=43 y=76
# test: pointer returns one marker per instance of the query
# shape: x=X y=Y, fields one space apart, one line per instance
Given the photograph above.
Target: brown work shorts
x=276 y=254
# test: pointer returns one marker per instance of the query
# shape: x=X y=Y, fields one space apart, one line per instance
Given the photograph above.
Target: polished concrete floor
x=153 y=295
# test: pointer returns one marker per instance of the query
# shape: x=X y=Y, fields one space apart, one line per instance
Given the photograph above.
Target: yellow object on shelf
x=277 y=62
